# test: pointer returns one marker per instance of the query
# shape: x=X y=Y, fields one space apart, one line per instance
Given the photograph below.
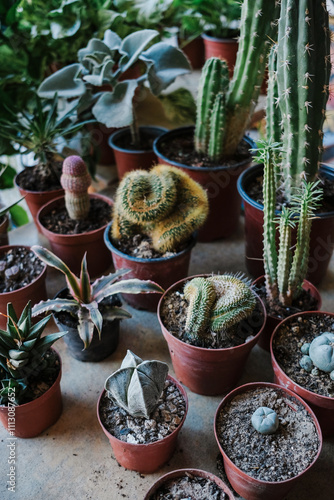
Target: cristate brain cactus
x=76 y=180
x=265 y=420
x=137 y=385
x=319 y=354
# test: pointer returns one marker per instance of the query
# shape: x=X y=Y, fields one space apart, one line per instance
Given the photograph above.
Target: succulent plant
x=76 y=180
x=265 y=420
x=320 y=354
x=137 y=385
x=216 y=303
x=164 y=204
x=86 y=297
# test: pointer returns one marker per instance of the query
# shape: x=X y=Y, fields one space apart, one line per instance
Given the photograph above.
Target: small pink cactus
x=75 y=180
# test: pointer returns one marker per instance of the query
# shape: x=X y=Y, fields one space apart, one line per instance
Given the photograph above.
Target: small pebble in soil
x=19 y=266
x=189 y=487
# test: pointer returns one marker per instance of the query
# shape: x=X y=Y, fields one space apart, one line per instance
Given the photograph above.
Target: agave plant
x=87 y=296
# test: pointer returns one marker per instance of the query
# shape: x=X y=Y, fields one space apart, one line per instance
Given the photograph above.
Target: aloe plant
x=86 y=297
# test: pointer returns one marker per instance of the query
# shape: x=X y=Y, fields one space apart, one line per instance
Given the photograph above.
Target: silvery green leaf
x=64 y=82
x=117 y=386
x=94 y=45
x=115 y=109
x=142 y=395
x=112 y=40
x=156 y=371
x=133 y=45
x=131 y=360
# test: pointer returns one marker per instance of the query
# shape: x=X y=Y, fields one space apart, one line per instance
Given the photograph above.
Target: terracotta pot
x=35 y=292
x=129 y=159
x=207 y=371
x=245 y=485
x=31 y=419
x=194 y=50
x=220 y=183
x=224 y=48
x=322 y=232
x=36 y=199
x=145 y=458
x=4 y=231
x=322 y=406
x=72 y=247
x=163 y=271
x=273 y=321
x=175 y=474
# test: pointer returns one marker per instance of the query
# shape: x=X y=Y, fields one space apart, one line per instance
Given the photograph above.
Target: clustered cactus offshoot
x=319 y=355
x=164 y=204
x=265 y=420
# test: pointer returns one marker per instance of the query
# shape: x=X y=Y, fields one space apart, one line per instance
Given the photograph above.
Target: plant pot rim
x=307 y=392
x=115 y=250
x=143 y=446
x=124 y=131
x=307 y=285
x=57 y=201
x=252 y=342
x=252 y=385
x=183 y=131
x=178 y=473
x=253 y=170
x=4 y=249
x=16 y=178
x=224 y=39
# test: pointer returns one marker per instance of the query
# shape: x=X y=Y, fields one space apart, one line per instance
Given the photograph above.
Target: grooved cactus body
x=265 y=420
x=137 y=385
x=216 y=303
x=164 y=204
x=76 y=180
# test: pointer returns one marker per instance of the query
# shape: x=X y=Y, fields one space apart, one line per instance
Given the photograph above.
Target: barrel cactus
x=76 y=180
x=319 y=354
x=265 y=420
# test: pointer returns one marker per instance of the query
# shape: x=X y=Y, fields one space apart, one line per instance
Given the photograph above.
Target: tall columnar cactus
x=216 y=304
x=164 y=204
x=76 y=180
x=303 y=77
x=273 y=113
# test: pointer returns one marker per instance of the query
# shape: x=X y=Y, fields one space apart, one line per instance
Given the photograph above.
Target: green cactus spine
x=76 y=180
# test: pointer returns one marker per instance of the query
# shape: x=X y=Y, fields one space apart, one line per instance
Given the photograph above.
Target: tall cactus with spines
x=164 y=204
x=284 y=255
x=273 y=113
x=217 y=128
x=303 y=85
x=76 y=180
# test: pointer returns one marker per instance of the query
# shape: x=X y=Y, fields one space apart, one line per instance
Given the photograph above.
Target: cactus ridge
x=273 y=113
x=201 y=296
x=76 y=180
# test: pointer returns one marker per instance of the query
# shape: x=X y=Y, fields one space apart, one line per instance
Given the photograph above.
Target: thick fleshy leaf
x=117 y=386
x=64 y=82
x=85 y=288
x=37 y=329
x=102 y=282
x=143 y=396
x=58 y=31
x=115 y=109
x=131 y=360
x=94 y=315
x=94 y=45
x=47 y=341
x=85 y=326
x=129 y=286
x=112 y=40
x=104 y=76
x=156 y=371
x=116 y=313
x=133 y=45
x=55 y=305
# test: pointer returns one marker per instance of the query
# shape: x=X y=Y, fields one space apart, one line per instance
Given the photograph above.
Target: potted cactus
x=90 y=312
x=30 y=372
x=155 y=216
x=210 y=324
x=142 y=392
x=103 y=81
x=292 y=92
x=284 y=288
x=215 y=153
x=75 y=223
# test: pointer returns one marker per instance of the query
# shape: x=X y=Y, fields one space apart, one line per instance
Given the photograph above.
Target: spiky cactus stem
x=273 y=113
x=75 y=180
x=284 y=256
x=217 y=129
x=201 y=296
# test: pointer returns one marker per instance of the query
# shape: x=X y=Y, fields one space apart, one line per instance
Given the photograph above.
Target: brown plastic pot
x=194 y=50
x=35 y=292
x=31 y=419
x=175 y=474
x=207 y=371
x=273 y=321
x=322 y=232
x=163 y=271
x=4 y=231
x=130 y=159
x=220 y=184
x=36 y=199
x=100 y=134
x=224 y=48
x=245 y=485
x=145 y=458
x=322 y=406
x=72 y=247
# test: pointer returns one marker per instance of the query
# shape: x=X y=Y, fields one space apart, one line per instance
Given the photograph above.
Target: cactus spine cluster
x=216 y=303
x=76 y=180
x=164 y=204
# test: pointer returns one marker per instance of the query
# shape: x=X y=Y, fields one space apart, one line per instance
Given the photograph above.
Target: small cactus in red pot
x=76 y=180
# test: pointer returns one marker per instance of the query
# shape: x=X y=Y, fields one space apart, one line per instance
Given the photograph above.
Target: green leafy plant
x=87 y=296
x=164 y=204
x=265 y=420
x=137 y=385
x=23 y=352
x=105 y=63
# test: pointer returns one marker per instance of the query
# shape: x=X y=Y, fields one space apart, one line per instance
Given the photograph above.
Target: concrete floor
x=73 y=459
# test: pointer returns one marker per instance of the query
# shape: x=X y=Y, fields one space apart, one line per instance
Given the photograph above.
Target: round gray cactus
x=265 y=420
x=319 y=355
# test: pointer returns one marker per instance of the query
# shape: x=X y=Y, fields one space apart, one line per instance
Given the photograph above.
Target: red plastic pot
x=245 y=485
x=163 y=271
x=273 y=321
x=3 y=231
x=31 y=419
x=322 y=232
x=220 y=183
x=175 y=474
x=72 y=247
x=145 y=458
x=36 y=199
x=130 y=159
x=322 y=406
x=224 y=48
x=194 y=51
x=35 y=292
x=207 y=371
